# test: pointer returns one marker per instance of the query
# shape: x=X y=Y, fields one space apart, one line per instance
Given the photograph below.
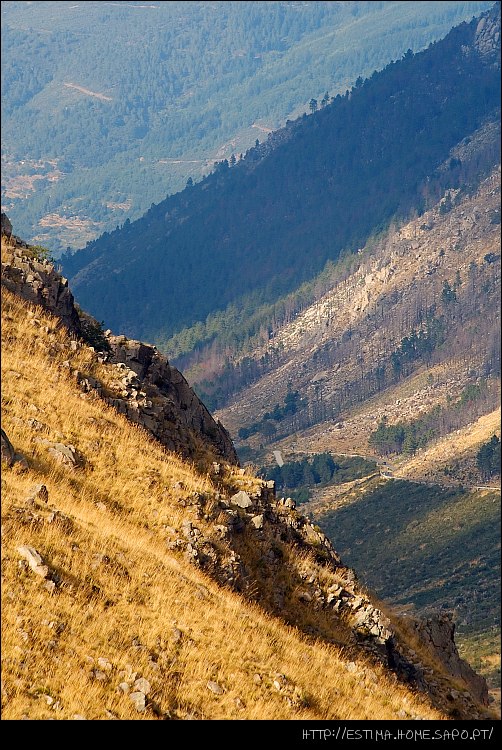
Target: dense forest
x=97 y=124
x=256 y=229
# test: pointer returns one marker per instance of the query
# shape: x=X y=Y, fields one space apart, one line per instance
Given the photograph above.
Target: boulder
x=437 y=635
x=8 y=451
x=215 y=688
x=241 y=499
x=34 y=560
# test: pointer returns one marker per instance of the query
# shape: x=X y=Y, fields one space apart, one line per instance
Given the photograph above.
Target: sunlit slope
x=125 y=606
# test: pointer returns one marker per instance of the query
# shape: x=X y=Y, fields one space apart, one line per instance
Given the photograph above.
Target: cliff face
x=158 y=397
x=37 y=281
x=148 y=390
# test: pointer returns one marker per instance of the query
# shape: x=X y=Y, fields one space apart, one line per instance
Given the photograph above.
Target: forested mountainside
x=418 y=306
x=97 y=124
x=254 y=230
x=139 y=586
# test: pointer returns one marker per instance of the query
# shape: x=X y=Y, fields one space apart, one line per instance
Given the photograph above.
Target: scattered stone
x=34 y=560
x=215 y=688
x=39 y=492
x=177 y=635
x=257 y=679
x=66 y=455
x=257 y=521
x=35 y=424
x=139 y=701
x=50 y=586
x=99 y=675
x=351 y=667
x=142 y=686
x=241 y=499
x=105 y=664
x=79 y=717
x=124 y=687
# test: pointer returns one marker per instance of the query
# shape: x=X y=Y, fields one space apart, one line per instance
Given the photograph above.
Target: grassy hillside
x=124 y=605
x=96 y=125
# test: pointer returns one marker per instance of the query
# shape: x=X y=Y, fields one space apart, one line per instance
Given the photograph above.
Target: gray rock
x=241 y=499
x=67 y=455
x=105 y=664
x=139 y=700
x=34 y=560
x=8 y=451
x=257 y=521
x=215 y=688
x=142 y=686
x=437 y=635
x=6 y=225
x=99 y=675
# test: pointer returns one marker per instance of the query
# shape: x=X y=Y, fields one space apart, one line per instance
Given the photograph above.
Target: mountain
x=137 y=586
x=97 y=125
x=139 y=382
x=395 y=364
x=202 y=262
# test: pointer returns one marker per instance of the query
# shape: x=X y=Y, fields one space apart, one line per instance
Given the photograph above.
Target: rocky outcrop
x=38 y=282
x=150 y=392
x=437 y=635
x=6 y=225
x=487 y=36
x=157 y=396
x=266 y=534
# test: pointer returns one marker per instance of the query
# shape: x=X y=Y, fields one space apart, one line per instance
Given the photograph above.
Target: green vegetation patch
x=427 y=546
x=298 y=477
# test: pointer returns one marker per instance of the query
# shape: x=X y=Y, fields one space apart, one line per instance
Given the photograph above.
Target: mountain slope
x=253 y=231
x=132 y=376
x=129 y=122
x=349 y=354
x=102 y=555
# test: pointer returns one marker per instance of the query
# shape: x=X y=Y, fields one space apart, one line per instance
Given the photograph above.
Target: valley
x=251 y=439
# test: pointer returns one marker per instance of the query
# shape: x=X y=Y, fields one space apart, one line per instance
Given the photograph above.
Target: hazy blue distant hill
x=252 y=231
x=108 y=107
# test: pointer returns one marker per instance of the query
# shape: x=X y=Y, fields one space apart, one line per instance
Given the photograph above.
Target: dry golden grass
x=460 y=448
x=123 y=595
